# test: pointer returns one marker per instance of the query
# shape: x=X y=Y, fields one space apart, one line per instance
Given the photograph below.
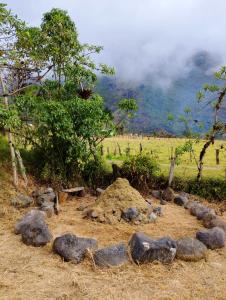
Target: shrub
x=139 y=170
x=95 y=173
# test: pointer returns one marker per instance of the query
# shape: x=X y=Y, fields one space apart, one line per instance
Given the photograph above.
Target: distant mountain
x=156 y=102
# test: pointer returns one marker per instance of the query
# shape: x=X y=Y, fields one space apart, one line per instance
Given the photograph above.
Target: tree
x=58 y=113
x=216 y=102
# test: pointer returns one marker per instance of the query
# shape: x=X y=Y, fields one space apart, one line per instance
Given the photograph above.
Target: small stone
x=168 y=194
x=48 y=190
x=213 y=238
x=102 y=219
x=90 y=213
x=143 y=249
x=158 y=211
x=21 y=201
x=48 y=208
x=82 y=207
x=99 y=191
x=47 y=197
x=180 y=200
x=190 y=249
x=130 y=214
x=156 y=194
x=163 y=202
x=111 y=256
x=152 y=217
x=73 y=248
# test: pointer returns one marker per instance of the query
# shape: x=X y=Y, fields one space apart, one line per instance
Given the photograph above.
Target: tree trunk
x=22 y=168
x=10 y=140
x=201 y=158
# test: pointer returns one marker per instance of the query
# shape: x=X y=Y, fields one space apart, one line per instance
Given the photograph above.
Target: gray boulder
x=168 y=194
x=111 y=256
x=73 y=248
x=27 y=219
x=203 y=211
x=33 y=229
x=213 y=238
x=189 y=204
x=195 y=207
x=210 y=220
x=181 y=200
x=21 y=201
x=144 y=249
x=130 y=214
x=190 y=249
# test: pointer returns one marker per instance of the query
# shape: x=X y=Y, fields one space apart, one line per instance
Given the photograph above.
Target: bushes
x=95 y=173
x=211 y=189
x=139 y=170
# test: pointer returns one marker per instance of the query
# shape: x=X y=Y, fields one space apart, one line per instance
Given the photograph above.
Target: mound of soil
x=116 y=199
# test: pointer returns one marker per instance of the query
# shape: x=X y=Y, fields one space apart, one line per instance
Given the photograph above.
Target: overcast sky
x=141 y=36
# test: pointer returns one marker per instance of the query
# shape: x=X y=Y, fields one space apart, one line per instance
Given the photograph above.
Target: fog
x=142 y=37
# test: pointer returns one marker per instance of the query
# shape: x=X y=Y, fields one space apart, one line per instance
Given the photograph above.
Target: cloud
x=145 y=37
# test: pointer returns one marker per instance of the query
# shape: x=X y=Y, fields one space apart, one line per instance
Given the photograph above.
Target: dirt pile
x=118 y=200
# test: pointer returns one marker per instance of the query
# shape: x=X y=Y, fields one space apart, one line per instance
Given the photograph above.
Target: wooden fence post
x=102 y=150
x=141 y=148
x=217 y=156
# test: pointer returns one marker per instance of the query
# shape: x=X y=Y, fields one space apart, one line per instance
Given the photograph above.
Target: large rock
x=33 y=229
x=73 y=248
x=190 y=249
x=210 y=220
x=195 y=207
x=27 y=219
x=111 y=256
x=212 y=238
x=181 y=200
x=144 y=249
x=168 y=194
x=21 y=201
x=204 y=211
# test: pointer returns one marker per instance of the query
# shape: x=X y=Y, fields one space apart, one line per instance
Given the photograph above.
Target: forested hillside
x=156 y=102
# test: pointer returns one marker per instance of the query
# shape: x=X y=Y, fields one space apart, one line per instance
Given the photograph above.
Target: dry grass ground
x=37 y=273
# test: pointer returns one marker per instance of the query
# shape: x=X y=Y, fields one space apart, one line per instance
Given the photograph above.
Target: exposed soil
x=37 y=273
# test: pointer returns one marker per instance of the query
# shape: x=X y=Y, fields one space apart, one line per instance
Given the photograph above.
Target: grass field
x=161 y=149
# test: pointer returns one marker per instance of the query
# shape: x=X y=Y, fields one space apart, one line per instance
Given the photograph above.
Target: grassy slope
x=161 y=148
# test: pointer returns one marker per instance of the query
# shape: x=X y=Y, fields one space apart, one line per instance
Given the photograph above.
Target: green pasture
x=161 y=149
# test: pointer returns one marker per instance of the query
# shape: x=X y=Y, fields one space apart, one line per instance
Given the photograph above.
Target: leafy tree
x=214 y=97
x=52 y=96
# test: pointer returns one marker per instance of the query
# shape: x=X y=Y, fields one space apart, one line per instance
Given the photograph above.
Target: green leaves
x=128 y=105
